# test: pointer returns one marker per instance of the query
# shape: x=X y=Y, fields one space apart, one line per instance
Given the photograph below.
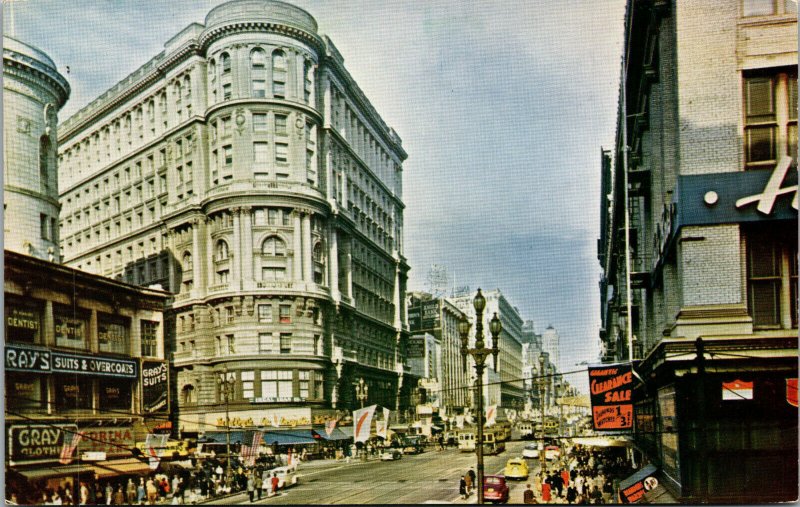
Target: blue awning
x=288 y=437
x=237 y=436
x=337 y=434
x=641 y=475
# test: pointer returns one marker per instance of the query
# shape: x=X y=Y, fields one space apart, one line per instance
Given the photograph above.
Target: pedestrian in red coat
x=545 y=492
x=565 y=477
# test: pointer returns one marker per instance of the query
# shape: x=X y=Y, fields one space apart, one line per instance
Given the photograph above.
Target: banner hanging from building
x=491 y=415
x=155 y=384
x=611 y=389
x=362 y=423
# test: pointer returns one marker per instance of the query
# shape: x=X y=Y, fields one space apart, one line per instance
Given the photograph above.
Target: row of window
x=768 y=7
x=770 y=107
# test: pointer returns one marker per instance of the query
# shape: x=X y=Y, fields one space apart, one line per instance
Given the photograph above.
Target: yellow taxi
x=516 y=468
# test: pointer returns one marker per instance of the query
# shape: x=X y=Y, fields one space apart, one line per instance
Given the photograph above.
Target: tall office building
x=706 y=157
x=551 y=342
x=244 y=170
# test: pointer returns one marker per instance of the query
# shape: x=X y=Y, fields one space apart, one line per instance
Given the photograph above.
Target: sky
x=503 y=108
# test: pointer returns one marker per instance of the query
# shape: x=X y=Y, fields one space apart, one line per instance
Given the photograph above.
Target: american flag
x=71 y=441
x=330 y=425
x=249 y=452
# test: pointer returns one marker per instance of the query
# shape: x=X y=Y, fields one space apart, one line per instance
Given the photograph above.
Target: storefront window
x=73 y=392
x=23 y=323
x=113 y=334
x=115 y=394
x=70 y=328
x=25 y=391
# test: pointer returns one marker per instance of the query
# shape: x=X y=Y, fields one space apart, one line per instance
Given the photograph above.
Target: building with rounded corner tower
x=33 y=92
x=244 y=170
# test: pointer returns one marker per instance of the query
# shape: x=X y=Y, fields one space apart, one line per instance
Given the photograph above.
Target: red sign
x=791 y=391
x=737 y=390
x=611 y=389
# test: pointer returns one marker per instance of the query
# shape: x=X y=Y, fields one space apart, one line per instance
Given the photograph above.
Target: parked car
x=495 y=489
x=516 y=468
x=391 y=455
x=287 y=476
x=552 y=452
x=531 y=451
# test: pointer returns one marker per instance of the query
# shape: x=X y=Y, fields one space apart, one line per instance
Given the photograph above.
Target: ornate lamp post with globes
x=361 y=391
x=479 y=353
x=226 y=385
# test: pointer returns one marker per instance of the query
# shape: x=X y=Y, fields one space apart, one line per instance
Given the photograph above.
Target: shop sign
x=277 y=399
x=155 y=378
x=69 y=328
x=737 y=390
x=37 y=442
x=93 y=456
x=27 y=359
x=791 y=391
x=611 y=389
x=22 y=319
x=107 y=439
x=737 y=197
x=88 y=365
x=634 y=493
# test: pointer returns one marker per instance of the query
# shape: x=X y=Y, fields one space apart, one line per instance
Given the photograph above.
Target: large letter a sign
x=362 y=422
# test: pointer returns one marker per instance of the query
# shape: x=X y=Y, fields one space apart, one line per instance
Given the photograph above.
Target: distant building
x=531 y=350
x=438 y=317
x=244 y=169
x=424 y=356
x=505 y=387
x=551 y=342
x=707 y=141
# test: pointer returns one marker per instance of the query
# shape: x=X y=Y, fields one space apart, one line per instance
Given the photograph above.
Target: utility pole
x=700 y=423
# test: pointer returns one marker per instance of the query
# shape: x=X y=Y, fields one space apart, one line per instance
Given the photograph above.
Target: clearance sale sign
x=611 y=388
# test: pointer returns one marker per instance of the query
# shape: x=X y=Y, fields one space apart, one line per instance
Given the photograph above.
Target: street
x=432 y=477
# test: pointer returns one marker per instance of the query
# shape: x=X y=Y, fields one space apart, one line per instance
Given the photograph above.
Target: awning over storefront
x=337 y=434
x=289 y=437
x=621 y=441
x=634 y=488
x=44 y=471
x=221 y=437
x=640 y=475
x=113 y=468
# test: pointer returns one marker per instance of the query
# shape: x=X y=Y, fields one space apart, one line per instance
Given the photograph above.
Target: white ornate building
x=244 y=170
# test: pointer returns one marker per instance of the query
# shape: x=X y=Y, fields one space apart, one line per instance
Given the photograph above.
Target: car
x=552 y=452
x=391 y=455
x=531 y=451
x=516 y=468
x=287 y=476
x=495 y=489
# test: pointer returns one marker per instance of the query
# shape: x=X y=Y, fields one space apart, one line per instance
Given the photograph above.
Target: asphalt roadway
x=430 y=477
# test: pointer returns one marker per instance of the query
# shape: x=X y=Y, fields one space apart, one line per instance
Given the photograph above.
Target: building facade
x=706 y=157
x=504 y=387
x=551 y=343
x=33 y=92
x=245 y=171
x=439 y=317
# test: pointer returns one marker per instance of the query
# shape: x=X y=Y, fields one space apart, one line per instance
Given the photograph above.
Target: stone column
x=174 y=284
x=197 y=272
x=329 y=193
x=296 y=262
x=333 y=264
x=234 y=252
x=94 y=341
x=246 y=253
x=48 y=337
x=328 y=112
x=397 y=323
x=350 y=274
x=307 y=261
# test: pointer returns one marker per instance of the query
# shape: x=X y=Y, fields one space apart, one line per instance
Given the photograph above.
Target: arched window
x=212 y=79
x=278 y=74
x=44 y=163
x=187 y=261
x=225 y=62
x=221 y=250
x=258 y=73
x=178 y=100
x=188 y=394
x=274 y=246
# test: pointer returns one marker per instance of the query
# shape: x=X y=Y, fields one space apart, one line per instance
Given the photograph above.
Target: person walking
x=468 y=485
x=140 y=492
x=471 y=481
x=109 y=493
x=119 y=496
x=152 y=492
x=257 y=483
x=275 y=482
x=572 y=494
x=462 y=487
x=251 y=487
x=131 y=491
x=546 y=491
x=528 y=496
x=537 y=484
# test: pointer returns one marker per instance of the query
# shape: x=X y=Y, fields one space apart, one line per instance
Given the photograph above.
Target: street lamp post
x=361 y=391
x=479 y=354
x=541 y=404
x=226 y=388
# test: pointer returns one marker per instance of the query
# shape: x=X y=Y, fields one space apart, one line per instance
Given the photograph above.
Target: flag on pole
x=250 y=452
x=362 y=423
x=151 y=443
x=71 y=441
x=491 y=415
x=330 y=425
